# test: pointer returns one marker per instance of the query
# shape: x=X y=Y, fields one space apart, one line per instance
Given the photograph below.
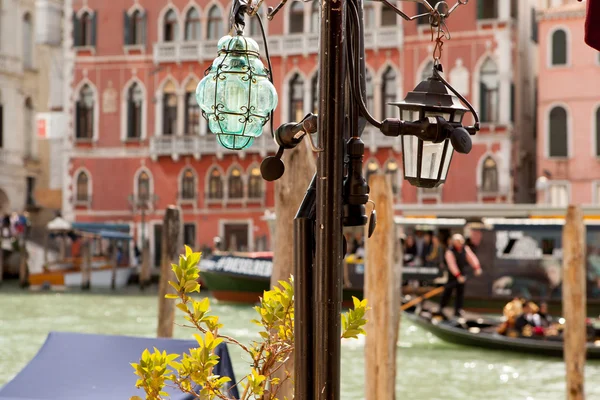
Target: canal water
x=428 y=369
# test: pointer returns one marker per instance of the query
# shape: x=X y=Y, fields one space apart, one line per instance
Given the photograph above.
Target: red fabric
x=592 y=24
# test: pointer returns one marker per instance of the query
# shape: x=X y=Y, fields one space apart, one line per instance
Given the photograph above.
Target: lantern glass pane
x=446 y=167
x=410 y=149
x=431 y=160
x=446 y=116
x=458 y=116
x=409 y=115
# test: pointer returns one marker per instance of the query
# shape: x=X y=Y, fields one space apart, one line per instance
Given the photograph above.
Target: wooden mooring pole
x=382 y=289
x=170 y=244
x=23 y=272
x=145 y=267
x=86 y=270
x=574 y=301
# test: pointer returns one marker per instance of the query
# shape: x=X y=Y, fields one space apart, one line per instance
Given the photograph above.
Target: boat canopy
x=114 y=235
x=75 y=366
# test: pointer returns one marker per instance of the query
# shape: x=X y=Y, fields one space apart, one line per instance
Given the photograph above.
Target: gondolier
x=457 y=256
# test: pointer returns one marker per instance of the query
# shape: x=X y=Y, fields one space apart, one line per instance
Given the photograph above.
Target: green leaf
x=188 y=251
x=171 y=296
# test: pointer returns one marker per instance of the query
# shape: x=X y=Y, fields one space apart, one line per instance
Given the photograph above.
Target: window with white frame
x=235 y=184
x=84 y=124
x=214 y=22
x=372 y=168
x=143 y=186
x=170 y=27
x=487 y=9
x=215 y=184
x=489 y=82
x=388 y=93
x=370 y=91
x=296 y=17
x=135 y=102
x=558 y=194
x=84 y=30
x=558 y=135
x=134 y=29
x=559 y=47
x=192 y=109
x=369 y=14
x=188 y=185
x=169 y=109
x=192 y=25
x=392 y=174
x=388 y=15
x=27 y=41
x=82 y=192
x=489 y=176
x=296 y=99
x=255 y=184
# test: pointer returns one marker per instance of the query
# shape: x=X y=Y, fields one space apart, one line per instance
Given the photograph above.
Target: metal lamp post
x=238 y=101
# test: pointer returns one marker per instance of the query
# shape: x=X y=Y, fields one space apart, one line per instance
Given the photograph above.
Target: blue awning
x=96 y=227
x=114 y=235
x=76 y=366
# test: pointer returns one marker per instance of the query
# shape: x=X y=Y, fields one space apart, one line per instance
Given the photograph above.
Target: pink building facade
x=568 y=142
x=136 y=132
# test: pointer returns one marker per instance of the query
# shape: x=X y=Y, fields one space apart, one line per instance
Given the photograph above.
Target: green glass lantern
x=236 y=95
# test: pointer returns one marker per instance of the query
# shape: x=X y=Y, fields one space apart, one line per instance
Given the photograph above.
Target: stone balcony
x=279 y=45
x=11 y=157
x=197 y=146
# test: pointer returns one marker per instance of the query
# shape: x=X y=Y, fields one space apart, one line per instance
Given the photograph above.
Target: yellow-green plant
x=157 y=370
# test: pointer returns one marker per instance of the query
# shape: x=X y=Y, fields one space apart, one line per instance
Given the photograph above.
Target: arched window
x=598 y=133
x=215 y=24
x=489 y=176
x=29 y=133
x=296 y=98
x=369 y=14
x=388 y=93
x=372 y=168
x=255 y=26
x=559 y=47
x=82 y=192
x=314 y=89
x=215 y=185
x=169 y=109
x=188 y=185
x=296 y=17
x=255 y=184
x=315 y=17
x=370 y=91
x=192 y=109
x=427 y=71
x=489 y=105
x=391 y=172
x=137 y=28
x=27 y=41
x=85 y=114
x=388 y=15
x=192 y=25
x=86 y=29
x=135 y=101
x=236 y=185
x=143 y=186
x=171 y=26
x=558 y=133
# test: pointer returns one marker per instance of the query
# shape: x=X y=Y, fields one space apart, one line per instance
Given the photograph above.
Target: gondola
x=480 y=332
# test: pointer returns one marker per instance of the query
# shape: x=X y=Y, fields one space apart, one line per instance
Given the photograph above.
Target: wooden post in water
x=23 y=273
x=86 y=270
x=114 y=262
x=170 y=244
x=574 y=301
x=382 y=289
x=1 y=261
x=145 y=269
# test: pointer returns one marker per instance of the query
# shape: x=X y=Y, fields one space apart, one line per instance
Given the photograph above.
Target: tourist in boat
x=410 y=250
x=544 y=316
x=435 y=255
x=511 y=312
x=457 y=257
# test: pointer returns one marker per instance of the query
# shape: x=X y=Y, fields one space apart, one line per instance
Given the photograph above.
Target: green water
x=427 y=367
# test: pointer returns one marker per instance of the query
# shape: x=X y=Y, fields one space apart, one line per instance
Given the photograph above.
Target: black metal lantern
x=426 y=163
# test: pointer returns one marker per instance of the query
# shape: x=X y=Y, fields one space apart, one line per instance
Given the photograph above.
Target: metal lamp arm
x=431 y=10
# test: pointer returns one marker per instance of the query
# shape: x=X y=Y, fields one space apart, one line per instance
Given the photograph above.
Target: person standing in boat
x=457 y=256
